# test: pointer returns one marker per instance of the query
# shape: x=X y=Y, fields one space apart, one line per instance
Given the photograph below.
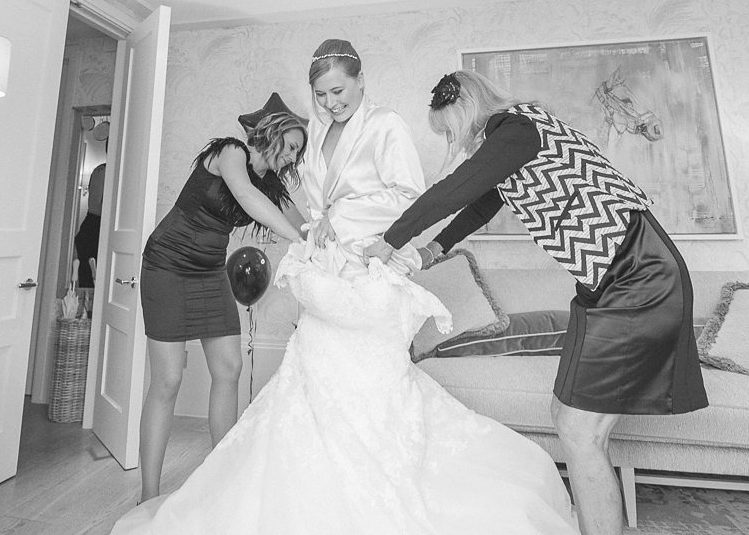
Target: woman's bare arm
x=232 y=166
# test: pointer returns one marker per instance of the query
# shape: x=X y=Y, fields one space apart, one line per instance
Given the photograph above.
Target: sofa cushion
x=529 y=333
x=520 y=290
x=517 y=390
x=455 y=279
x=724 y=342
x=539 y=332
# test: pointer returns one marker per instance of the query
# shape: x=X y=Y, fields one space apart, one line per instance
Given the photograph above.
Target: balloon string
x=251 y=348
x=250 y=343
x=251 y=338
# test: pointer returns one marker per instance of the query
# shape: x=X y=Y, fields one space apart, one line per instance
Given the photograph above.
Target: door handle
x=132 y=282
x=28 y=284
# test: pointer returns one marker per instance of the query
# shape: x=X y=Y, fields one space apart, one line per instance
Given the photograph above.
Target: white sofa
x=684 y=450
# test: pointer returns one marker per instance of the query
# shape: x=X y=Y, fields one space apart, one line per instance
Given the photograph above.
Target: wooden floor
x=67 y=483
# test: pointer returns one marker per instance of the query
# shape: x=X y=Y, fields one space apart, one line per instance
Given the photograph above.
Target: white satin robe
x=374 y=175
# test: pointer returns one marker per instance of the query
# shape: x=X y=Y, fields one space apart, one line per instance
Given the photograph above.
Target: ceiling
x=186 y=13
x=204 y=12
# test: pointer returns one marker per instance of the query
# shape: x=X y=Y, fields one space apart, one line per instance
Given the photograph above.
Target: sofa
x=707 y=448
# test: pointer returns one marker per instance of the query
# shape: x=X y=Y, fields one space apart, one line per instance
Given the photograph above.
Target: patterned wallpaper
x=95 y=58
x=216 y=74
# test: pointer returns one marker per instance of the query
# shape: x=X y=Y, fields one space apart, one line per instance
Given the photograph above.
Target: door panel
x=132 y=174
x=36 y=31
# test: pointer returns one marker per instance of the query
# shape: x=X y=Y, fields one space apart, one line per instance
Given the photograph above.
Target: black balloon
x=249 y=274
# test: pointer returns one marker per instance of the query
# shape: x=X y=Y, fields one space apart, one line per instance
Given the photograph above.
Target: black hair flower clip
x=445 y=92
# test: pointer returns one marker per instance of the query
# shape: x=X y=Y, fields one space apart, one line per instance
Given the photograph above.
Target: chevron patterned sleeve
x=512 y=142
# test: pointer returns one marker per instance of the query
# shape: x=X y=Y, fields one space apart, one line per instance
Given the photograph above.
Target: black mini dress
x=185 y=291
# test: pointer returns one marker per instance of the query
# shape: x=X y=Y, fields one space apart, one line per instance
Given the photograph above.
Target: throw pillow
x=529 y=333
x=456 y=280
x=724 y=342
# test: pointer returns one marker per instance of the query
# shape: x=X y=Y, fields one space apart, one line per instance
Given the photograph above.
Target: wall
x=216 y=74
x=95 y=74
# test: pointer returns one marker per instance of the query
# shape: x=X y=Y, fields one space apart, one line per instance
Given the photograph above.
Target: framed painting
x=650 y=106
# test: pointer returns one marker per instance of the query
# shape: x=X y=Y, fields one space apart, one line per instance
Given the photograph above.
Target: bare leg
x=224 y=358
x=585 y=439
x=167 y=362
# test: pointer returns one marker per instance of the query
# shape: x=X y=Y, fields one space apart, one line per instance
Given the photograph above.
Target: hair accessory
x=275 y=104
x=445 y=92
x=334 y=55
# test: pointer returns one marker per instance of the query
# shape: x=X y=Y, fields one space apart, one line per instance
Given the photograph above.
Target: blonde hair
x=267 y=138
x=466 y=118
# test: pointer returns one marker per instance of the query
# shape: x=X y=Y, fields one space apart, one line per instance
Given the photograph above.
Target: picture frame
x=652 y=108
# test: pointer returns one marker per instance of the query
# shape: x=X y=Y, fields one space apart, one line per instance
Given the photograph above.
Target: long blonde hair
x=464 y=119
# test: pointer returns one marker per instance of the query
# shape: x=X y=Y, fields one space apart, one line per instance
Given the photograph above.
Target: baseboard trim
x=693 y=481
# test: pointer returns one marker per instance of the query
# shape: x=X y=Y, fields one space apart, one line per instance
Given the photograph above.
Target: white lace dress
x=350 y=438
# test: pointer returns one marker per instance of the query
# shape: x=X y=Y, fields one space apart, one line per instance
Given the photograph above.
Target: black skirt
x=179 y=307
x=630 y=346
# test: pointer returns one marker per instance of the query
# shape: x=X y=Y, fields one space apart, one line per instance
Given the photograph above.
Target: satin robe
x=374 y=174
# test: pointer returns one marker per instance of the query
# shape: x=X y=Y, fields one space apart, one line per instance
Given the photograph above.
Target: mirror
x=88 y=205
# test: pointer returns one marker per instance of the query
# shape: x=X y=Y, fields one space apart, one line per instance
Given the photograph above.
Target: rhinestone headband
x=334 y=55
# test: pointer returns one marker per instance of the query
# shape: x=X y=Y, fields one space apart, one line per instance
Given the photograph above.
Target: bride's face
x=338 y=93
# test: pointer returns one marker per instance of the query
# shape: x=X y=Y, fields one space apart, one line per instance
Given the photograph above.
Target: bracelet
x=431 y=254
x=431 y=251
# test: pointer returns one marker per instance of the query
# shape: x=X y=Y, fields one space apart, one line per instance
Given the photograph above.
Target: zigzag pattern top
x=572 y=201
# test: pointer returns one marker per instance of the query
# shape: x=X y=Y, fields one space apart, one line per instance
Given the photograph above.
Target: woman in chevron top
x=630 y=347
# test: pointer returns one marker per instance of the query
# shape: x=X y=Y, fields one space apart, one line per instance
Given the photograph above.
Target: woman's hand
x=429 y=254
x=381 y=249
x=322 y=231
x=427 y=258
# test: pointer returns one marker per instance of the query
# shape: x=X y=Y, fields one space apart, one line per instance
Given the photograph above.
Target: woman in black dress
x=185 y=290
x=87 y=238
x=630 y=347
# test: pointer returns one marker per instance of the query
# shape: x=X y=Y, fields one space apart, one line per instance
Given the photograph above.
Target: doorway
x=74 y=194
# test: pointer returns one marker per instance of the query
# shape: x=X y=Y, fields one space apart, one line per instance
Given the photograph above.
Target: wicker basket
x=68 y=387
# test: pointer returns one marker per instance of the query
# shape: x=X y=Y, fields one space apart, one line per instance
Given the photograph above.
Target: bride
x=349 y=437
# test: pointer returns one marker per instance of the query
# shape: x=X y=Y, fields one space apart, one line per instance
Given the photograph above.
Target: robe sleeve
x=397 y=161
x=512 y=141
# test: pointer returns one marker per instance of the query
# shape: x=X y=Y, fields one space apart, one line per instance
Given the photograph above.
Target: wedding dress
x=350 y=438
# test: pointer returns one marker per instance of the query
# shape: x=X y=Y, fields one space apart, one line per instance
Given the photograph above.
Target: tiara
x=334 y=55
x=445 y=92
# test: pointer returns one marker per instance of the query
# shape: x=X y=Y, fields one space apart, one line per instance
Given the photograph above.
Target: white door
x=36 y=31
x=118 y=344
